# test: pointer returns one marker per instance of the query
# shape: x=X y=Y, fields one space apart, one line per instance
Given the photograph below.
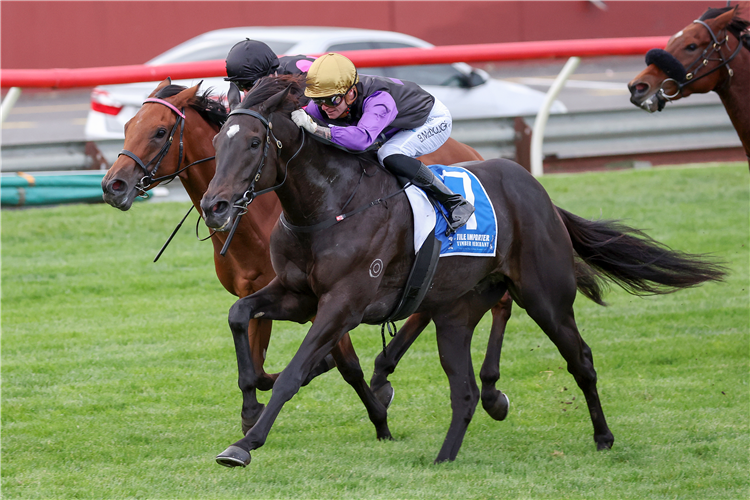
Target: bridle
x=148 y=180
x=692 y=70
x=250 y=194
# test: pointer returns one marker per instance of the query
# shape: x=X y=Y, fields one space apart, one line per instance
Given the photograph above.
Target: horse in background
x=710 y=54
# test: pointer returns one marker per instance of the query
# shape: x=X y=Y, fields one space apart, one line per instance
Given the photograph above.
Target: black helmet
x=249 y=60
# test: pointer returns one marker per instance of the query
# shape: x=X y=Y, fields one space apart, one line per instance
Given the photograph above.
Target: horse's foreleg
x=250 y=334
x=494 y=402
x=328 y=329
x=386 y=362
x=258 y=333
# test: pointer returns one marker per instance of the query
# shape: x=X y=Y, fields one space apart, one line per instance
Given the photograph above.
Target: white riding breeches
x=422 y=140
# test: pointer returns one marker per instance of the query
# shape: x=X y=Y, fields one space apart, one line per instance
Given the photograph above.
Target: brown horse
x=711 y=54
x=544 y=254
x=246 y=267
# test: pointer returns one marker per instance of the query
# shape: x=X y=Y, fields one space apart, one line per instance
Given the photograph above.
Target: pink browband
x=170 y=106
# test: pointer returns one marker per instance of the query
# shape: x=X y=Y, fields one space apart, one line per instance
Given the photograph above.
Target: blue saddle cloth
x=478 y=237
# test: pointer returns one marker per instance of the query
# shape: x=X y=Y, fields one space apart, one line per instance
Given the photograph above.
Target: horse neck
x=246 y=268
x=198 y=143
x=319 y=182
x=735 y=98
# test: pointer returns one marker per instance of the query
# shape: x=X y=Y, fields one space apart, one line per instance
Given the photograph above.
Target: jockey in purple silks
x=356 y=111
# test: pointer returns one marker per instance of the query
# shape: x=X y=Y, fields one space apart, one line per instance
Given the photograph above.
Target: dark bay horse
x=544 y=254
x=710 y=54
x=183 y=147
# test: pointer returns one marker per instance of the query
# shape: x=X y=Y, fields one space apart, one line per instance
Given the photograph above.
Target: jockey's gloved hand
x=303 y=120
x=306 y=122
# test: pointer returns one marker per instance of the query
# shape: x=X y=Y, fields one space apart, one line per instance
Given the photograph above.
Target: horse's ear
x=723 y=20
x=167 y=81
x=184 y=97
x=233 y=97
x=276 y=100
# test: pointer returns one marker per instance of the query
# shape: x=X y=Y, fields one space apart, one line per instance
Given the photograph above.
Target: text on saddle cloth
x=478 y=237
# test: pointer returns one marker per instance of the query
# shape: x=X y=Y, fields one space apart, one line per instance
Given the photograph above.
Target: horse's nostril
x=117 y=185
x=220 y=207
x=641 y=88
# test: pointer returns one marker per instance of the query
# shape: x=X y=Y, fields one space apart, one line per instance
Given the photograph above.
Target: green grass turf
x=119 y=375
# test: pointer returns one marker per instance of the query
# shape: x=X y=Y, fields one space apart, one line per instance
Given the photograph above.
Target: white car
x=467 y=92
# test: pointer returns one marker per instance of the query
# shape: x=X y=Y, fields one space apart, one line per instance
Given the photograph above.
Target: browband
x=169 y=105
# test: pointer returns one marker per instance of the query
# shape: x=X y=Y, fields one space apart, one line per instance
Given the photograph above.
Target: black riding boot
x=459 y=209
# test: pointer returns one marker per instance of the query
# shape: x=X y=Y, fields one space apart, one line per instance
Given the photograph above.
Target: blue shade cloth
x=478 y=237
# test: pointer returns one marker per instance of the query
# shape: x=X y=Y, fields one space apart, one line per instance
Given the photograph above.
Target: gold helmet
x=330 y=74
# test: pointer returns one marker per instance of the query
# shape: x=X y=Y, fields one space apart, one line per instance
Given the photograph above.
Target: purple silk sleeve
x=378 y=111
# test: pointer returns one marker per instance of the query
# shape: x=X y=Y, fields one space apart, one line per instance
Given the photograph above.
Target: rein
x=335 y=220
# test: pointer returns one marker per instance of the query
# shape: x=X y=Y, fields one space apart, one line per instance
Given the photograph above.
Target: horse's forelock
x=712 y=13
x=169 y=91
x=272 y=85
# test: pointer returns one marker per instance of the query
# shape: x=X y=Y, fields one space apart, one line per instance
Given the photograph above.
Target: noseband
x=148 y=179
x=684 y=76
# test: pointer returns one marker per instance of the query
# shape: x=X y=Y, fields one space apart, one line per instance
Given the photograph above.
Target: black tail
x=632 y=260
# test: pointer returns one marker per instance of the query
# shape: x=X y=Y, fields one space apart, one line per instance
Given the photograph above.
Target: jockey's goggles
x=330 y=101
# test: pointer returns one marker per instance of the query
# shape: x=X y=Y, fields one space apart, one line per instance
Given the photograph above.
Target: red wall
x=74 y=34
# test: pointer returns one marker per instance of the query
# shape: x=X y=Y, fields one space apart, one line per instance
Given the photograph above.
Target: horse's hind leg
x=551 y=306
x=454 y=347
x=385 y=362
x=581 y=365
x=494 y=402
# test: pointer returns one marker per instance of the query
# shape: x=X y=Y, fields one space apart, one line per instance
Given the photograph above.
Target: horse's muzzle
x=639 y=97
x=217 y=214
x=117 y=193
x=651 y=104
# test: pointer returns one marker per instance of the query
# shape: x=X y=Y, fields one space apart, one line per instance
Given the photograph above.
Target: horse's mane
x=737 y=26
x=210 y=109
x=272 y=85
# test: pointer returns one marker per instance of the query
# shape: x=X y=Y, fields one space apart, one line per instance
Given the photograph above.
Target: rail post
x=10 y=100
x=537 y=134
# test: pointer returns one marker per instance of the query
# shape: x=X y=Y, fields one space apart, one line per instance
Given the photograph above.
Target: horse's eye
x=255 y=143
x=692 y=46
x=160 y=133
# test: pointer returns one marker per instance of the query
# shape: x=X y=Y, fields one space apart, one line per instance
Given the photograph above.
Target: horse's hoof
x=499 y=408
x=605 y=442
x=248 y=423
x=385 y=394
x=234 y=456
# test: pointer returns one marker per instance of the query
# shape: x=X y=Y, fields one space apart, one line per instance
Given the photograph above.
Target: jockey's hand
x=306 y=122
x=303 y=120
